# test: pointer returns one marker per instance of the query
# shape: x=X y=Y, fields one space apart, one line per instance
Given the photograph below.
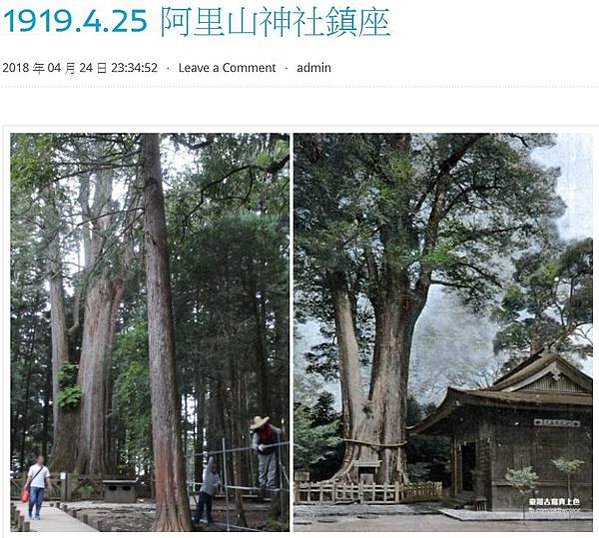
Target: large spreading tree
x=380 y=219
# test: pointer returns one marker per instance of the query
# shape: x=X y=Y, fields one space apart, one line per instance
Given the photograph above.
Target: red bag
x=25 y=494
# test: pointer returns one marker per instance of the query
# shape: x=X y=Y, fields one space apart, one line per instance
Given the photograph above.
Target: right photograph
x=443 y=289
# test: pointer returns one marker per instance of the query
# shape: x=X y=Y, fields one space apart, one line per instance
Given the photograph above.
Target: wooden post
x=20 y=522
x=65 y=492
x=27 y=526
x=454 y=466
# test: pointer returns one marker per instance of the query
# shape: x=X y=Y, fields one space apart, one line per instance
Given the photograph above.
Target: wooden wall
x=516 y=443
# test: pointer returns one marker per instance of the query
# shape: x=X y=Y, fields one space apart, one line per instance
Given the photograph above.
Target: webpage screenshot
x=298 y=266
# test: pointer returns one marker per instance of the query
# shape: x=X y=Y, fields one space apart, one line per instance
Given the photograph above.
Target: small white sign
x=557 y=423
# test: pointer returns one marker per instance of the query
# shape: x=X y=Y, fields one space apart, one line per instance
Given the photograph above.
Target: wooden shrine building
x=538 y=412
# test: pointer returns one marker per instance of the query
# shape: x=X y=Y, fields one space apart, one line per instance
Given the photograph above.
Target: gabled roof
x=548 y=382
x=455 y=400
x=543 y=363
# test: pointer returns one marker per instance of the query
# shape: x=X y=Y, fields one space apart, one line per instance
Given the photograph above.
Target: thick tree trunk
x=103 y=295
x=65 y=421
x=374 y=428
x=354 y=405
x=101 y=305
x=389 y=389
x=172 y=502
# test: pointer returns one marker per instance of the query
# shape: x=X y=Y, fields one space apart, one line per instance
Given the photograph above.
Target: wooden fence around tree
x=73 y=487
x=330 y=493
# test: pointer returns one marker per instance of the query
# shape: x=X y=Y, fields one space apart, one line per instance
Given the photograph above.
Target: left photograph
x=149 y=332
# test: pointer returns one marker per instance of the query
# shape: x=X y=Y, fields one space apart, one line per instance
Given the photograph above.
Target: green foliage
x=67 y=375
x=31 y=159
x=364 y=207
x=85 y=492
x=131 y=407
x=428 y=458
x=549 y=302
x=568 y=467
x=274 y=523
x=312 y=443
x=69 y=397
x=524 y=480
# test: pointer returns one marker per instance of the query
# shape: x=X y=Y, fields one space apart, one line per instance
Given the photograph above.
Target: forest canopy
x=96 y=220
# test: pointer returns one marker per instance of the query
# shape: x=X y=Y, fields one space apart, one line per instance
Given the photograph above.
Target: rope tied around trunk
x=380 y=445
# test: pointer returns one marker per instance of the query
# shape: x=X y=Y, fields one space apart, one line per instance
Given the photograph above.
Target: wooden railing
x=16 y=487
x=74 y=487
x=84 y=487
x=330 y=493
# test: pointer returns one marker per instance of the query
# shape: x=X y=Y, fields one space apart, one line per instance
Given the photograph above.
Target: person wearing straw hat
x=264 y=441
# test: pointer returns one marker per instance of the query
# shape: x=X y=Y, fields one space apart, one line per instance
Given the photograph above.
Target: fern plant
x=69 y=397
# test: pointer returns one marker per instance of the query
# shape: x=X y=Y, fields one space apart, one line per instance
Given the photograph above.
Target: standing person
x=264 y=442
x=38 y=479
x=210 y=484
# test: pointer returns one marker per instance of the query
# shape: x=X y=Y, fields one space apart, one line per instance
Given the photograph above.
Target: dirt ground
x=431 y=523
x=139 y=517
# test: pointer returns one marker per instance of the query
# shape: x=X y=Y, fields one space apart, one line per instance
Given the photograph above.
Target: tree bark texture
x=103 y=295
x=375 y=423
x=65 y=425
x=172 y=502
x=101 y=305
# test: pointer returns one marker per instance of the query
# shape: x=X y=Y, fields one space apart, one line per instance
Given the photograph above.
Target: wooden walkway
x=54 y=520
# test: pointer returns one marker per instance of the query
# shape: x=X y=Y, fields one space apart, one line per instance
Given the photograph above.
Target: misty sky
x=451 y=345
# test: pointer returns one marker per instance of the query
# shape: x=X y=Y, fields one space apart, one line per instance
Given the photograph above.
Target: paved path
x=539 y=515
x=54 y=520
x=338 y=510
x=438 y=523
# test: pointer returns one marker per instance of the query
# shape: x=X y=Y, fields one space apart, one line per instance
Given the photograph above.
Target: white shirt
x=40 y=480
x=211 y=479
